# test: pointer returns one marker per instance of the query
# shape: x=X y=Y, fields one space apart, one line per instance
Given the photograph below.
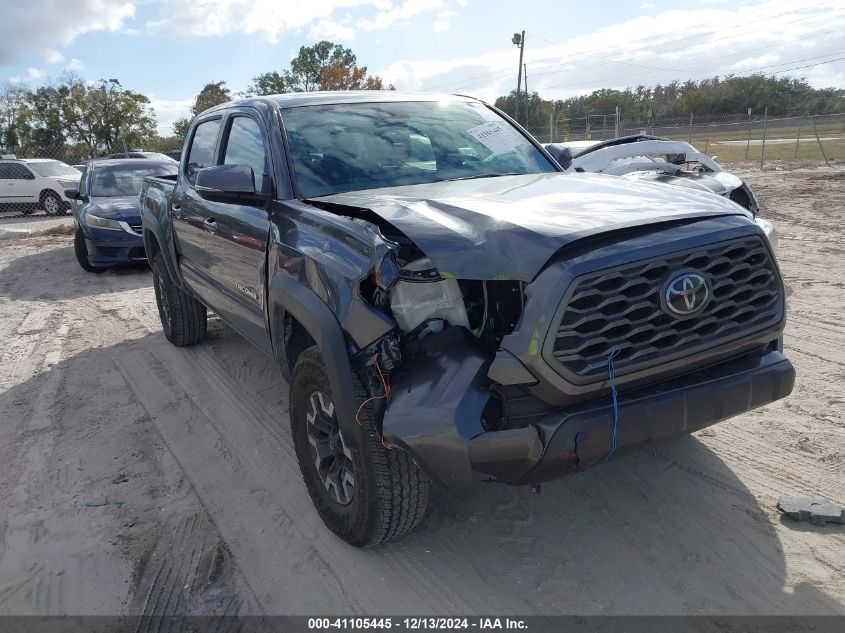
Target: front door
x=190 y=212
x=237 y=239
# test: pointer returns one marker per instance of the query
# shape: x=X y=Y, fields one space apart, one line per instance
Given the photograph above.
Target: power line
x=749 y=71
x=471 y=82
x=698 y=61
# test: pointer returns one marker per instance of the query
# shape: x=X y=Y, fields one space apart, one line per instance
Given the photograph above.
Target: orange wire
x=386 y=388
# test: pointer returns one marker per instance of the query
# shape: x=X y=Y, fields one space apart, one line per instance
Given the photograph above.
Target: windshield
x=337 y=148
x=109 y=182
x=53 y=169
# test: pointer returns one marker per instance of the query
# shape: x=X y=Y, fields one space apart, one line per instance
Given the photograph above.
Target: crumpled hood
x=126 y=208
x=720 y=182
x=508 y=227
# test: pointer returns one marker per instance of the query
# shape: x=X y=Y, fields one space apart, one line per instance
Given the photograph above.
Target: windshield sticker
x=496 y=137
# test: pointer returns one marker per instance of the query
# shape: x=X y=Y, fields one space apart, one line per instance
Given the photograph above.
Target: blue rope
x=611 y=374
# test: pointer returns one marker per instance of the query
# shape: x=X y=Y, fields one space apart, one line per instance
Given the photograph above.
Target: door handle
x=210 y=224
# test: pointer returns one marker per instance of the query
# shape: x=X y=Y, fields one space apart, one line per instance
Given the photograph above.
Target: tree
x=270 y=83
x=212 y=94
x=307 y=67
x=13 y=99
x=323 y=66
x=340 y=76
x=104 y=117
x=181 y=127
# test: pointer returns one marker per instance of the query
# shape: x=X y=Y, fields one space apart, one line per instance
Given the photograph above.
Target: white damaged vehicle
x=655 y=159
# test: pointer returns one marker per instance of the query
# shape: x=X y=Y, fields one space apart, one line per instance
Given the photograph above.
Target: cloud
x=75 y=64
x=54 y=57
x=168 y=110
x=397 y=13
x=662 y=46
x=647 y=5
x=327 y=29
x=442 y=23
x=271 y=18
x=34 y=73
x=38 y=25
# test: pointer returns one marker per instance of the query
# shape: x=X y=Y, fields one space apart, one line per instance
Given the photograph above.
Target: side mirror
x=563 y=155
x=229 y=183
x=72 y=194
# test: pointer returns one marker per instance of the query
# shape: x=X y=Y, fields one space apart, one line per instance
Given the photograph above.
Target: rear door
x=190 y=212
x=237 y=240
x=17 y=183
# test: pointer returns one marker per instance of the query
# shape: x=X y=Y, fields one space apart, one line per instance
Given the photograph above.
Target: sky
x=168 y=49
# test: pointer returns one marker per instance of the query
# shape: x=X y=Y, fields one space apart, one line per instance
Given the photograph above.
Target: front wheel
x=183 y=318
x=366 y=495
x=80 y=249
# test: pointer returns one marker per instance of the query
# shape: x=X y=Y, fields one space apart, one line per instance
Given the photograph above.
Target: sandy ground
x=136 y=477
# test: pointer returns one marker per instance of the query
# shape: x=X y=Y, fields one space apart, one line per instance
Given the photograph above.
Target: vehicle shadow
x=32 y=277
x=669 y=529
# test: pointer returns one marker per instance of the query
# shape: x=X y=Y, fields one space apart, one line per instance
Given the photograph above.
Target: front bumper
x=436 y=410
x=112 y=248
x=568 y=442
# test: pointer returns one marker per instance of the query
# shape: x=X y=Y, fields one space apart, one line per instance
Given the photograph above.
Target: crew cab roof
x=297 y=99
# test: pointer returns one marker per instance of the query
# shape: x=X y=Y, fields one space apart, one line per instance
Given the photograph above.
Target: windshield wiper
x=512 y=173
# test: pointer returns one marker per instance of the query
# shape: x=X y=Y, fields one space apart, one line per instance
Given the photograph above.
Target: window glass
x=246 y=147
x=368 y=145
x=54 y=169
x=201 y=153
x=15 y=171
x=109 y=182
x=83 y=181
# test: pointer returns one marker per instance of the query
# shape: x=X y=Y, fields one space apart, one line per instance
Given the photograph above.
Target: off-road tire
x=183 y=318
x=81 y=251
x=390 y=493
x=52 y=203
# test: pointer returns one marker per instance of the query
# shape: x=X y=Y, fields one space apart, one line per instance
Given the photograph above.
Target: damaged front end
x=498 y=379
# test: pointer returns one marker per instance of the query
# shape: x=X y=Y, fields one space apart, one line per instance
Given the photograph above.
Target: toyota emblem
x=686 y=294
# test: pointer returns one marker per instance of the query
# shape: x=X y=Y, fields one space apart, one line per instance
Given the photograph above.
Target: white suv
x=30 y=183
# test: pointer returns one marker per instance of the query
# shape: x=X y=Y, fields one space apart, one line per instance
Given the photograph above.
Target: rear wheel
x=366 y=495
x=81 y=251
x=183 y=318
x=52 y=203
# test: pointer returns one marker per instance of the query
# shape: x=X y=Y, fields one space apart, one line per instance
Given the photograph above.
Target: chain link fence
x=730 y=138
x=32 y=184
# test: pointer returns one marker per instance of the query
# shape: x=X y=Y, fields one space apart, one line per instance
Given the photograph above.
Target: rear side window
x=245 y=146
x=15 y=171
x=201 y=152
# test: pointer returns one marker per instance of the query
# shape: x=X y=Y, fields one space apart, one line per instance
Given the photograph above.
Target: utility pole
x=527 y=103
x=519 y=40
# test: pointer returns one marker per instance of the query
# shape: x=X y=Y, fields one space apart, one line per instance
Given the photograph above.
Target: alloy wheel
x=332 y=458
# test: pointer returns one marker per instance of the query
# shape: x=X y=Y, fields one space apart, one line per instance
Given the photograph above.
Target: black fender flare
x=286 y=295
x=152 y=227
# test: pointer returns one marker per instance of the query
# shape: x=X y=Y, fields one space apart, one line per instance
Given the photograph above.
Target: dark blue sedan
x=107 y=213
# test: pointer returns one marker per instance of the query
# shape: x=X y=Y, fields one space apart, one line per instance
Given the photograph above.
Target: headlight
x=97 y=222
x=771 y=234
x=68 y=183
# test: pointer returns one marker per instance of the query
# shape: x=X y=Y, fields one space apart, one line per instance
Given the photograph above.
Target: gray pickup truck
x=447 y=305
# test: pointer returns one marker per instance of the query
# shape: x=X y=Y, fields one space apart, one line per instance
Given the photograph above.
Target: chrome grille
x=621 y=307
x=136 y=229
